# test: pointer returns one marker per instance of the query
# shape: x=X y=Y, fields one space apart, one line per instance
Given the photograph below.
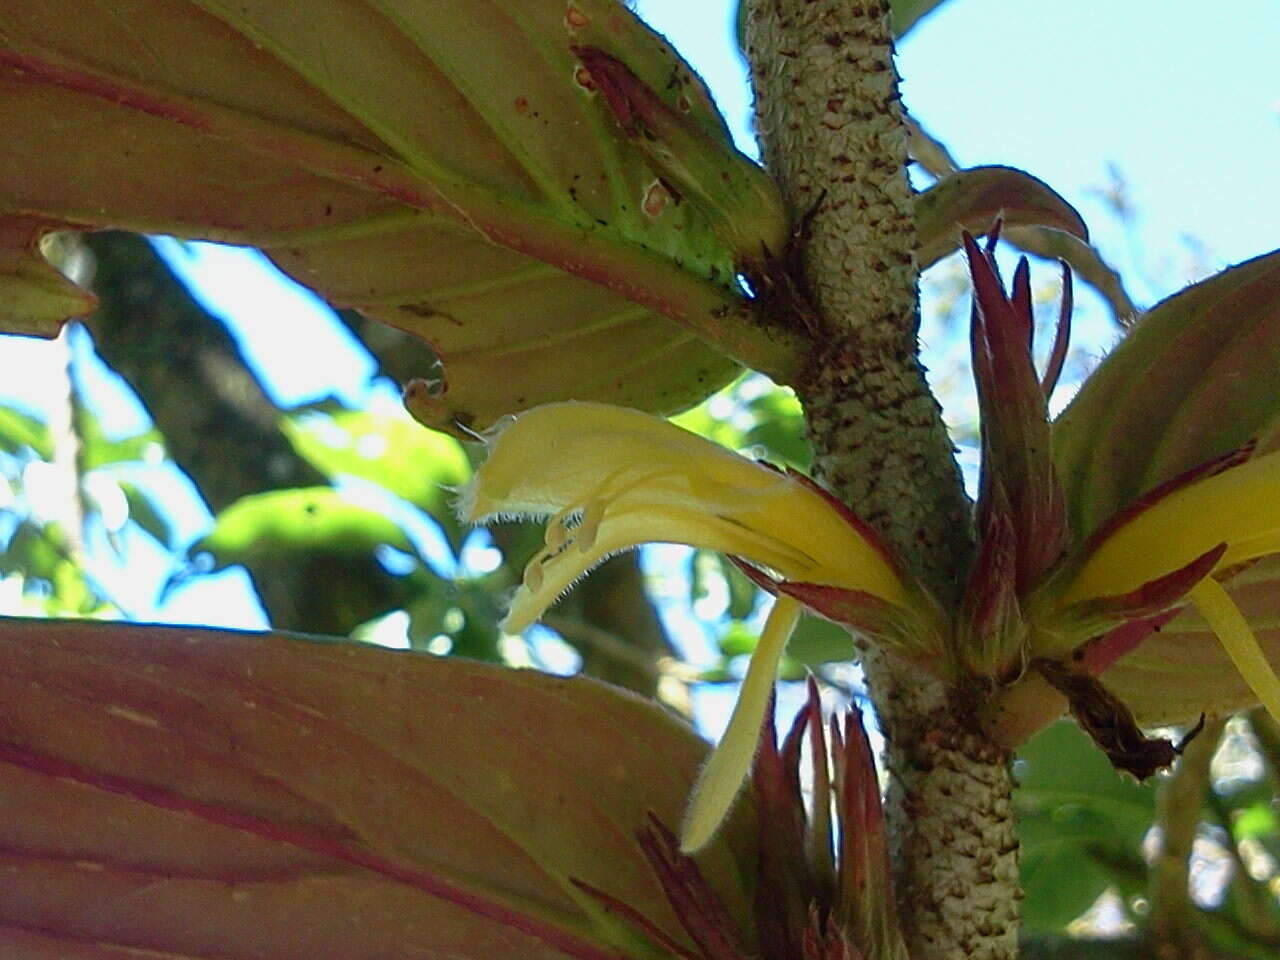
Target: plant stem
x=1178 y=804
x=833 y=134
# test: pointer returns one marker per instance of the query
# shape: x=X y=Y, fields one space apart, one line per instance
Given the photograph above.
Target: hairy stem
x=833 y=133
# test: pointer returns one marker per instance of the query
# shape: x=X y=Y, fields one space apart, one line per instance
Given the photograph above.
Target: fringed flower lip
x=610 y=479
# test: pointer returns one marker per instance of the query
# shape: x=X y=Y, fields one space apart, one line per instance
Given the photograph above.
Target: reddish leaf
x=36 y=297
x=786 y=885
x=974 y=199
x=236 y=795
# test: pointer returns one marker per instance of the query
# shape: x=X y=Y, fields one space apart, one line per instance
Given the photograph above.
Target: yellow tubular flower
x=611 y=479
x=1238 y=507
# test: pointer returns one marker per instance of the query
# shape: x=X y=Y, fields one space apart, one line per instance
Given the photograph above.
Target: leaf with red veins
x=740 y=200
x=217 y=793
x=1181 y=670
x=613 y=905
x=517 y=245
x=34 y=297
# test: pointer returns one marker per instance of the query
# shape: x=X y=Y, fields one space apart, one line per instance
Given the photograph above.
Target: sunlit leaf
x=97 y=449
x=424 y=467
x=1258 y=820
x=818 y=641
x=20 y=431
x=767 y=425
x=815 y=642
x=1080 y=823
x=1195 y=378
x=446 y=168
x=144 y=512
x=779 y=431
x=742 y=592
x=43 y=555
x=198 y=793
x=297 y=520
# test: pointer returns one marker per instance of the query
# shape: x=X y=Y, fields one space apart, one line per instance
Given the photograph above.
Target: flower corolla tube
x=609 y=479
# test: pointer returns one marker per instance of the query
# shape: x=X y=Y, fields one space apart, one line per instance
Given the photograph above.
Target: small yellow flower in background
x=610 y=479
x=1239 y=509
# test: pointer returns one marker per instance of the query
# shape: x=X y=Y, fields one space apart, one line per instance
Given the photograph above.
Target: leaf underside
x=230 y=795
x=1182 y=670
x=438 y=166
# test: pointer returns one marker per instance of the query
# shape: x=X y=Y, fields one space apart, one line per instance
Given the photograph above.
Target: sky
x=1184 y=101
x=1179 y=99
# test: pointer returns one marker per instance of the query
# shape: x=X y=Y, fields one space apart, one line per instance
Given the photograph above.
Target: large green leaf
x=1080 y=823
x=1195 y=378
x=196 y=793
x=446 y=167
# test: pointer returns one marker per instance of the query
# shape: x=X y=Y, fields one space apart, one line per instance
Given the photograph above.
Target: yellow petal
x=722 y=777
x=1226 y=620
x=1239 y=507
x=613 y=478
x=554 y=570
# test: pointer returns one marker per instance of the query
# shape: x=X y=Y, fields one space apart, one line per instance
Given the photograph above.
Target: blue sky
x=1184 y=102
x=1182 y=98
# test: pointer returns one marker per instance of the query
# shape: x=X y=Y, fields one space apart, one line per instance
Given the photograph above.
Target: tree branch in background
x=220 y=427
x=1173 y=930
